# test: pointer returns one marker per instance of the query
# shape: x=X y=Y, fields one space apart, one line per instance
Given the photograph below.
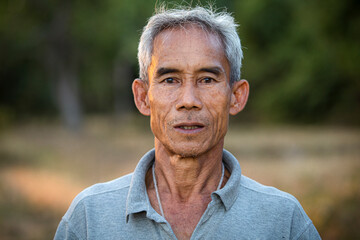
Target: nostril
x=188 y=107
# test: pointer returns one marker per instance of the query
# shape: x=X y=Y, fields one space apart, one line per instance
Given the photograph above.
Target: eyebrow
x=163 y=71
x=215 y=70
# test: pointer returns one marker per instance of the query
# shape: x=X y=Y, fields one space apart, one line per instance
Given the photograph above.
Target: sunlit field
x=43 y=166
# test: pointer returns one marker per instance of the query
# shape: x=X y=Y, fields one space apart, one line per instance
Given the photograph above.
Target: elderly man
x=188 y=187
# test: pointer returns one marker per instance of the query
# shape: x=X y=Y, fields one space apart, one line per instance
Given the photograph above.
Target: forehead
x=187 y=47
x=190 y=28
x=187 y=33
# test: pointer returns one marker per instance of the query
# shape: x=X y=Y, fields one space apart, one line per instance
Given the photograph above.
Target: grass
x=43 y=166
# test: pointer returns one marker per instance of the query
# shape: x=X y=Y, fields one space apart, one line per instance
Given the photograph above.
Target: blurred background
x=67 y=118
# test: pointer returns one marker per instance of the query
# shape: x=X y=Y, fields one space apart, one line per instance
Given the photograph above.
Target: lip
x=189 y=127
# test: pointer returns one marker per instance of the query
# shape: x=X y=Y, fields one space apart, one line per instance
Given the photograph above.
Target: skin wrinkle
x=187 y=164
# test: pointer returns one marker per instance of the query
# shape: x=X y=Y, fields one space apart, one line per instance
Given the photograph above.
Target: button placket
x=205 y=217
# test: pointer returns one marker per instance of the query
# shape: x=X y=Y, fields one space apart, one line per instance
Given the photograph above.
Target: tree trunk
x=122 y=87
x=61 y=63
x=67 y=96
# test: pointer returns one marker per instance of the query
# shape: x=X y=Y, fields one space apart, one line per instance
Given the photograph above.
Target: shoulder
x=110 y=186
x=271 y=197
x=101 y=193
x=275 y=210
x=261 y=190
x=266 y=212
x=272 y=203
x=98 y=205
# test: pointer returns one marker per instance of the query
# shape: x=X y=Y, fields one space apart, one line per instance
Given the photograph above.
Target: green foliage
x=301 y=57
x=23 y=85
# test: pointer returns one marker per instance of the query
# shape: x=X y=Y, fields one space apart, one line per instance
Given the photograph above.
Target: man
x=188 y=187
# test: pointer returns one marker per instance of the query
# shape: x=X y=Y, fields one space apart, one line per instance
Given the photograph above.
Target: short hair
x=221 y=23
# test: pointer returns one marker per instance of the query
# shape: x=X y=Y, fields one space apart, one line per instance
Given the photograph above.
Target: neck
x=187 y=178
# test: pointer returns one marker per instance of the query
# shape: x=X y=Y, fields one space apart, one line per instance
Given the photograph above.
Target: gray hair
x=221 y=23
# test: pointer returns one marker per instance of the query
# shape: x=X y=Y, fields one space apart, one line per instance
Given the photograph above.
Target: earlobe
x=239 y=96
x=140 y=90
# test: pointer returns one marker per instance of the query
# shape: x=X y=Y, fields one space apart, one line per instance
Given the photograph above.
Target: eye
x=207 y=80
x=169 y=80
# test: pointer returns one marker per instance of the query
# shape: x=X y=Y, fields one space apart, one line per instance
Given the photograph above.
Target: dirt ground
x=43 y=166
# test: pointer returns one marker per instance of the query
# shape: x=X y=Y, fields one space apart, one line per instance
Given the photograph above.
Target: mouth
x=189 y=127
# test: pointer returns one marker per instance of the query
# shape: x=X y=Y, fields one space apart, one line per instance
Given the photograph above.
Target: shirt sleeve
x=302 y=227
x=309 y=233
x=64 y=232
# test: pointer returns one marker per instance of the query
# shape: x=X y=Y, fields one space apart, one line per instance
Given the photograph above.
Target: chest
x=183 y=218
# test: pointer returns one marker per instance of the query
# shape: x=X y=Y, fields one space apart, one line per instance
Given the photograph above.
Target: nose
x=189 y=98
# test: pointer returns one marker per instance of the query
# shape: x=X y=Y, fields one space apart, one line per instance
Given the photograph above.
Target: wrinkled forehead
x=187 y=31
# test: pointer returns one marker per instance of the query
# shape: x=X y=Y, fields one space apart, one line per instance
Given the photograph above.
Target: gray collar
x=138 y=201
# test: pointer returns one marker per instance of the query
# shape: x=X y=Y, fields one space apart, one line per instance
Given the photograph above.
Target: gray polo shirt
x=242 y=209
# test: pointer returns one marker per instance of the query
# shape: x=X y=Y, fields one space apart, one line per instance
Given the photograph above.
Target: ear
x=140 y=90
x=239 y=96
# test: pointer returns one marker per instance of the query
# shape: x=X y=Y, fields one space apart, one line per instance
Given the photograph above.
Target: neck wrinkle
x=185 y=179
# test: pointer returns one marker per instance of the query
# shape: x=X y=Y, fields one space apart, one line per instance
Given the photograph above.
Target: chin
x=188 y=155
x=189 y=152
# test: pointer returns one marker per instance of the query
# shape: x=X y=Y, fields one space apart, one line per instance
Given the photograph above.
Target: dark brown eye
x=169 y=80
x=207 y=80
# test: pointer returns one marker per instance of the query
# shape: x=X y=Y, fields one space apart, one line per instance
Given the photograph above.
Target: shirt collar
x=229 y=193
x=137 y=199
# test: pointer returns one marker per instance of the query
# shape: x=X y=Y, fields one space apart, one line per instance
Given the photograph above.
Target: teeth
x=189 y=127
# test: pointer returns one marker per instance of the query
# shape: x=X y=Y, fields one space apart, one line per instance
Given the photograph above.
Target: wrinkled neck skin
x=186 y=178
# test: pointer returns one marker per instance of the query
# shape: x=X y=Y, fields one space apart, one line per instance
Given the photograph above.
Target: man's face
x=189 y=92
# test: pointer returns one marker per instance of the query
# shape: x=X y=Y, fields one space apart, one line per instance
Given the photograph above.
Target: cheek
x=219 y=102
x=160 y=97
x=156 y=102
x=159 y=109
x=219 y=105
